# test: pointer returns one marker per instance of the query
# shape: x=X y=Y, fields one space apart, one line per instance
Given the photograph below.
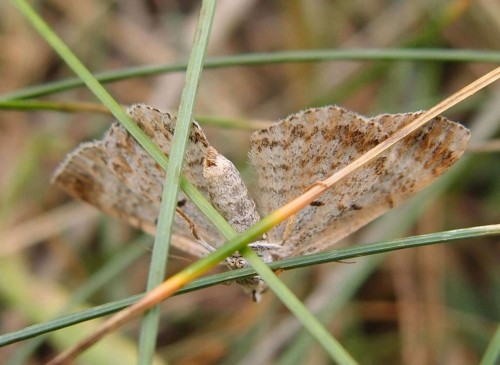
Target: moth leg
x=192 y=228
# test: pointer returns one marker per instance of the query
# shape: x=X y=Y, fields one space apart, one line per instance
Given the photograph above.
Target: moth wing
x=119 y=177
x=309 y=146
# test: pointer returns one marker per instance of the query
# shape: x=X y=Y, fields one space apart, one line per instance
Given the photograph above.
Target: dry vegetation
x=433 y=305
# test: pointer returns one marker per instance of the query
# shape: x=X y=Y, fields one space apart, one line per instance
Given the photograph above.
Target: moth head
x=255 y=286
x=236 y=261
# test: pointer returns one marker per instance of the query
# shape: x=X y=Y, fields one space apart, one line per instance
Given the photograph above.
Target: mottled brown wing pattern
x=145 y=177
x=309 y=146
x=116 y=175
x=85 y=175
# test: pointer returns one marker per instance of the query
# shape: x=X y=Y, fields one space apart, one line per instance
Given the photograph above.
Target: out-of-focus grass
x=428 y=305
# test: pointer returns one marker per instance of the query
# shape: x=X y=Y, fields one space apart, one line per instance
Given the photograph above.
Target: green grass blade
x=97 y=281
x=492 y=354
x=383 y=247
x=288 y=264
x=21 y=290
x=234 y=244
x=150 y=324
x=355 y=277
x=73 y=107
x=85 y=75
x=309 y=321
x=101 y=93
x=258 y=59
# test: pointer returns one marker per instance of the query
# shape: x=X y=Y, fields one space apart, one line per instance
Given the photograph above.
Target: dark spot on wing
x=356 y=207
x=317 y=203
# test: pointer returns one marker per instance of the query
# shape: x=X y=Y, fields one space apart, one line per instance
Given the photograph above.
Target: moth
x=116 y=175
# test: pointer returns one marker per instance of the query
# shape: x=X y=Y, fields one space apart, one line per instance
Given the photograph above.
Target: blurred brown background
x=434 y=305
